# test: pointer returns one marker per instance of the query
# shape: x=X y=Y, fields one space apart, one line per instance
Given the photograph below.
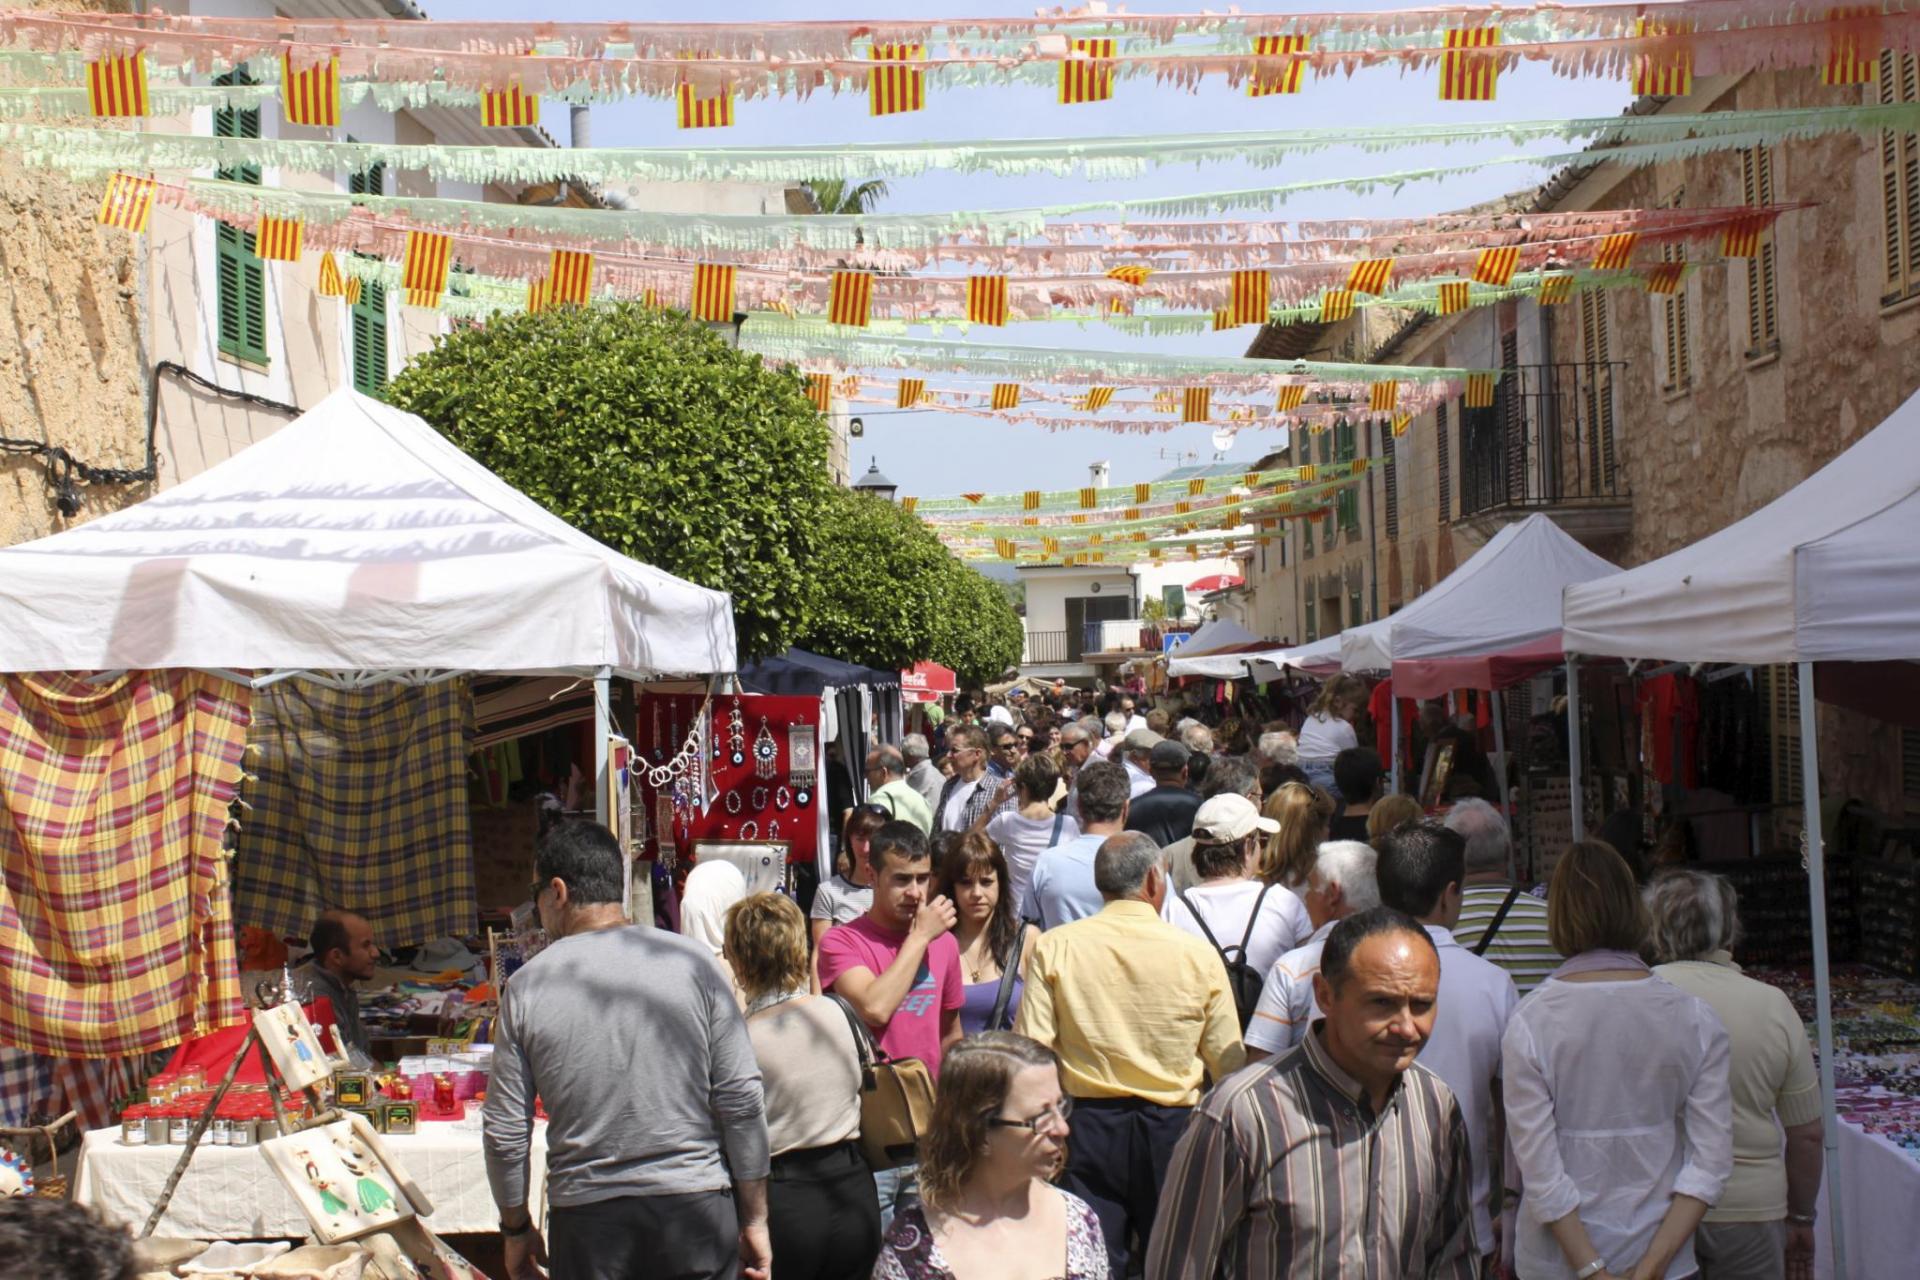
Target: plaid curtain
x=116 y=935
x=361 y=802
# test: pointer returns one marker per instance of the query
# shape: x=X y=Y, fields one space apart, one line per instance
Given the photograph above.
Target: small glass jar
x=156 y=1130
x=220 y=1132
x=178 y=1127
x=240 y=1133
x=133 y=1126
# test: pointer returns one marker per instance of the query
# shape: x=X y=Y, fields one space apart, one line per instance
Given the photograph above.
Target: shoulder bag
x=896 y=1098
x=1499 y=918
x=998 y=1019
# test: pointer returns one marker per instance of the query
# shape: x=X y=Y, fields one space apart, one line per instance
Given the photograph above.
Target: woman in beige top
x=1761 y=1228
x=822 y=1209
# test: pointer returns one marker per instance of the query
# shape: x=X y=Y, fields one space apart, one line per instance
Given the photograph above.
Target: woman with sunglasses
x=988 y=1210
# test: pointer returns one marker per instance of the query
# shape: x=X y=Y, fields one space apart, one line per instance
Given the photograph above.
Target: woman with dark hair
x=993 y=942
x=1029 y=827
x=849 y=894
x=998 y=1135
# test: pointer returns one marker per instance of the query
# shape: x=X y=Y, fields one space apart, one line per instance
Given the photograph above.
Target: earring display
x=736 y=736
x=760 y=755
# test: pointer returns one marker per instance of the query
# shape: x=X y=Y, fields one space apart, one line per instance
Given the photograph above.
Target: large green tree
x=645 y=430
x=879 y=578
x=976 y=631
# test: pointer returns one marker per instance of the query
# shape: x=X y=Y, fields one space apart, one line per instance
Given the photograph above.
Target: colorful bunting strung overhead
x=1469 y=71
x=1006 y=395
x=1089 y=498
x=278 y=239
x=352 y=295
x=424 y=266
x=1222 y=319
x=1096 y=399
x=1370 y=275
x=1129 y=275
x=332 y=283
x=1742 y=239
x=850 y=301
x=539 y=293
x=1383 y=396
x=127 y=204
x=1335 y=304
x=1401 y=423
x=1197 y=404
x=1556 y=289
x=1270 y=78
x=426 y=299
x=910 y=393
x=1292 y=396
x=987 y=301
x=711 y=111
x=820 y=390
x=509 y=108
x=117 y=86
x=311 y=95
x=1479 y=391
x=1088 y=76
x=896 y=85
x=1666 y=73
x=1250 y=291
x=1496 y=266
x=1453 y=297
x=571 y=274
x=712 y=293
x=1851 y=59
x=1616 y=251
x=1665 y=277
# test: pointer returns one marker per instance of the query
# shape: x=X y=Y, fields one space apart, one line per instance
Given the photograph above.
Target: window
x=1763 y=298
x=1678 y=326
x=1312 y=631
x=1900 y=180
x=370 y=340
x=1346 y=504
x=370 y=181
x=1596 y=350
x=1392 y=483
x=240 y=277
x=1444 y=466
x=1353 y=608
x=1780 y=690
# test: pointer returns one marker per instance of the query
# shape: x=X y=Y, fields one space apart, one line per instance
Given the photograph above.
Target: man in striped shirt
x=1343 y=1159
x=1520 y=945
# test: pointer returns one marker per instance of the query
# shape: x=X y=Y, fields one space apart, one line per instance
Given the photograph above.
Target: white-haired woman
x=1761 y=1228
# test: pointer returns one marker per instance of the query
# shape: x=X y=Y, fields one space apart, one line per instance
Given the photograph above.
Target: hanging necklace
x=773 y=999
x=977 y=968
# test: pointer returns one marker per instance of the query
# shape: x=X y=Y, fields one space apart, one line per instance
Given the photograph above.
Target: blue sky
x=931 y=453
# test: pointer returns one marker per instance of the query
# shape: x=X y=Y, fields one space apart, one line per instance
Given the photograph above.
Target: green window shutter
x=370 y=181
x=240 y=278
x=370 y=340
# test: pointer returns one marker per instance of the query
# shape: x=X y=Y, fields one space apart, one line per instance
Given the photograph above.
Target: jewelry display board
x=760 y=777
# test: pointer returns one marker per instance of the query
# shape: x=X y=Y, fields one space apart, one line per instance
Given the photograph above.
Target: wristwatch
x=1801 y=1219
x=1593 y=1268
x=514 y=1233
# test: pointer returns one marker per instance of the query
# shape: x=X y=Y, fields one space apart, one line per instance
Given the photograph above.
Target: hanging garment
x=1670 y=729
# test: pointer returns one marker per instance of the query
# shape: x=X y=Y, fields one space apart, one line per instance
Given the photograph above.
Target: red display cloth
x=1379 y=706
x=1668 y=704
x=213 y=1052
x=1433 y=677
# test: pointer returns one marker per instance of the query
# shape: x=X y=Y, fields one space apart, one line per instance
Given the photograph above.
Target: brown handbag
x=896 y=1098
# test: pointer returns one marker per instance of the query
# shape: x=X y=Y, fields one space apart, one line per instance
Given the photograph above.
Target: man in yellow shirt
x=1135 y=1008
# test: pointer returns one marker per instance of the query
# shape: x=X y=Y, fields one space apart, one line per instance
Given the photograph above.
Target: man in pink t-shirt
x=899 y=967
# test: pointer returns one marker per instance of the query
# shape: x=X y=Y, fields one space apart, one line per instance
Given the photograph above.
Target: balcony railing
x=1047 y=646
x=1548 y=441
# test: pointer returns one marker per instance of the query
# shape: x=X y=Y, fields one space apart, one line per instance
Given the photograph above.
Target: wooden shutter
x=1392 y=485
x=1443 y=468
x=1679 y=334
x=370 y=340
x=1763 y=303
x=1899 y=81
x=1780 y=691
x=240 y=277
x=1312 y=630
x=1348 y=507
x=1513 y=419
x=370 y=181
x=1596 y=351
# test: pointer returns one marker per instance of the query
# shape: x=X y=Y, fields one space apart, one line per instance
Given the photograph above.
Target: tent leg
x=1394 y=742
x=602 y=730
x=1500 y=749
x=1822 y=975
x=1575 y=783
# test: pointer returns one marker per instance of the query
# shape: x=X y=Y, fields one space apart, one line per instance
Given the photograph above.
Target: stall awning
x=798 y=672
x=353 y=539
x=928 y=682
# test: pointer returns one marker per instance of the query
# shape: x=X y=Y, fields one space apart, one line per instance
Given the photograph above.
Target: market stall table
x=229 y=1193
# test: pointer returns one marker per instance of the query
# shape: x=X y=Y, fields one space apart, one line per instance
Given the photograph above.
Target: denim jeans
x=897 y=1189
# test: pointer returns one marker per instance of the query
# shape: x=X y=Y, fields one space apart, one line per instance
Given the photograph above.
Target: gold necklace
x=974 y=970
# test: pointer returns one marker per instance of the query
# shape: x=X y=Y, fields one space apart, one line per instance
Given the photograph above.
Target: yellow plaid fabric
x=382 y=828
x=115 y=930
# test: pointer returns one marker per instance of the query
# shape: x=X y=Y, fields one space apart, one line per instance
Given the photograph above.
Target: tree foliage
x=648 y=432
x=838 y=196
x=976 y=632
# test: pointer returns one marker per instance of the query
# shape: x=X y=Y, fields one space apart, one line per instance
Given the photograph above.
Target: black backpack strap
x=1059 y=821
x=1252 y=921
x=1004 y=995
x=1499 y=918
x=1202 y=922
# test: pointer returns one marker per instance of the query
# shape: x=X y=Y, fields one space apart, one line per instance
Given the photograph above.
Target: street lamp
x=876 y=484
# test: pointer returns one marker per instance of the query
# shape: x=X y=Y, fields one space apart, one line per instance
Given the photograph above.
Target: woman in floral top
x=988 y=1211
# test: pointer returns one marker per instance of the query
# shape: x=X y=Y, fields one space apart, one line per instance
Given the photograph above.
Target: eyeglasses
x=878 y=810
x=1055 y=1114
x=537 y=888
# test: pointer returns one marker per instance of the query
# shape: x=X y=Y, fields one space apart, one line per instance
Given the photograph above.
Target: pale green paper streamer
x=1644 y=140
x=963 y=531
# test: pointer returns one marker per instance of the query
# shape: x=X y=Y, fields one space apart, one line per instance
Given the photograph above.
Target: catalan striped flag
x=278 y=239
x=127 y=204
x=1470 y=69
x=1251 y=290
x=425 y=299
x=1665 y=277
x=310 y=96
x=332 y=283
x=1401 y=422
x=1307 y=474
x=713 y=111
x=1357 y=467
x=1030 y=500
x=539 y=293
x=1222 y=319
x=1089 y=498
x=1197 y=404
x=1382 y=397
x=850 y=385
x=1556 y=288
x=1251 y=479
x=1741 y=238
x=1480 y=391
x=117 y=86
x=1663 y=72
x=1370 y=275
x=1142 y=493
x=1130 y=513
x=1154 y=553
x=896 y=85
x=1134 y=275
x=1030 y=522
x=712 y=292
x=1496 y=266
x=1335 y=304
x=910 y=392
x=1196 y=486
x=352 y=294
x=1284 y=73
x=1006 y=395
x=1292 y=396
x=1087 y=76
x=908 y=504
x=820 y=390
x=424 y=266
x=571 y=271
x=1004 y=548
x=1166 y=400
x=1616 y=251
x=1454 y=296
x=650 y=299
x=987 y=300
x=509 y=108
x=850 y=298
x=1853 y=57
x=1050 y=546
x=1096 y=399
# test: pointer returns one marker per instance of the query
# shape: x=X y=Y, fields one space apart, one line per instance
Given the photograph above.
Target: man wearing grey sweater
x=656 y=1134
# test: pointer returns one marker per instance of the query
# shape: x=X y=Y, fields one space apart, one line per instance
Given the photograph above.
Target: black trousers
x=823 y=1214
x=1117 y=1161
x=695 y=1236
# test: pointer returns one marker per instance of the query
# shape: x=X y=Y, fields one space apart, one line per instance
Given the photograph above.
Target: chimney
x=581 y=124
x=1100 y=473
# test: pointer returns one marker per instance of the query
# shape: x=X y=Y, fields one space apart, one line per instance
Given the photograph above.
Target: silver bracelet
x=1593 y=1268
x=1801 y=1219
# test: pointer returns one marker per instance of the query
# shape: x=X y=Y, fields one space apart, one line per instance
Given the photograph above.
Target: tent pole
x=1822 y=975
x=1575 y=784
x=1394 y=743
x=1500 y=749
x=602 y=730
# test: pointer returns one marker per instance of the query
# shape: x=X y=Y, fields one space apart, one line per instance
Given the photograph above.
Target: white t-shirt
x=1022 y=840
x=1287 y=1008
x=841 y=900
x=1324 y=737
x=1140 y=780
x=957 y=804
x=1226 y=906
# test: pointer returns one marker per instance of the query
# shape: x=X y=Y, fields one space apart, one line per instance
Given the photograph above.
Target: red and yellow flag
x=310 y=96
x=1401 y=423
x=909 y=393
x=117 y=86
x=1135 y=276
x=850 y=298
x=278 y=239
x=1197 y=404
x=1030 y=500
x=1496 y=266
x=820 y=390
x=1616 y=251
x=1382 y=397
x=352 y=294
x=332 y=283
x=1250 y=293
x=1222 y=319
x=712 y=292
x=896 y=85
x=1480 y=391
x=509 y=108
x=1087 y=76
x=1665 y=277
x=987 y=300
x=1196 y=486
x=1853 y=57
x=1454 y=296
x=1335 y=304
x=1292 y=396
x=1665 y=73
x=1142 y=493
x=1556 y=289
x=127 y=204
x=1470 y=69
x=539 y=293
x=713 y=111
x=1309 y=473
x=427 y=299
x=1089 y=498
x=424 y=266
x=1370 y=275
x=1741 y=239
x=1006 y=395
x=571 y=273
x=1283 y=74
x=908 y=504
x=1096 y=399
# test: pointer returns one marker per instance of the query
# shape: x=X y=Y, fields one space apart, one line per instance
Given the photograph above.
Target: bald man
x=344 y=953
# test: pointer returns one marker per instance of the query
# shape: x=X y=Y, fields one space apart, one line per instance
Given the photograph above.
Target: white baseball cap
x=1227 y=818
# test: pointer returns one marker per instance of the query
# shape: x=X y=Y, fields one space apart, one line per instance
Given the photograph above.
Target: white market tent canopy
x=1322 y=657
x=354 y=539
x=1219 y=633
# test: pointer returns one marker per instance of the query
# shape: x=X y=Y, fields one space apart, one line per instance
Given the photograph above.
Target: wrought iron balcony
x=1549 y=443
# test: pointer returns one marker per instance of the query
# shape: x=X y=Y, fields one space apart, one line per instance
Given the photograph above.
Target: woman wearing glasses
x=988 y=1210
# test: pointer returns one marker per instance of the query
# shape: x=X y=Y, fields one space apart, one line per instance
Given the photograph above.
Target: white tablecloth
x=230 y=1193
x=1879 y=1209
